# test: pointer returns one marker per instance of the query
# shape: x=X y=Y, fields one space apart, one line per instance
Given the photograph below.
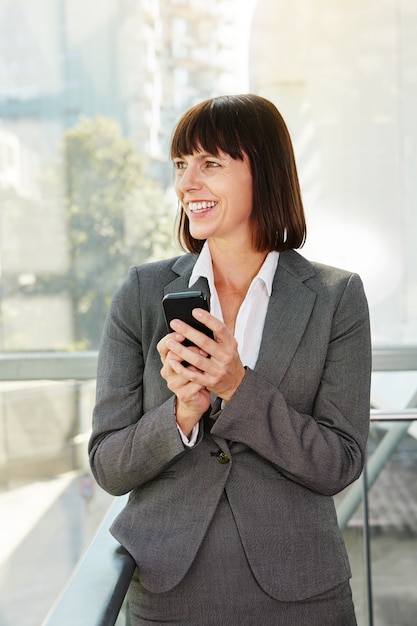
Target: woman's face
x=216 y=194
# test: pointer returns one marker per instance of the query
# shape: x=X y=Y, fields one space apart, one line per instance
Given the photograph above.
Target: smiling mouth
x=199 y=207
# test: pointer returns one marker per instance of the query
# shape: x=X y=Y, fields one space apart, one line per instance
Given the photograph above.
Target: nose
x=190 y=179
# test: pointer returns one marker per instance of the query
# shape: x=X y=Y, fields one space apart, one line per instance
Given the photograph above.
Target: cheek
x=177 y=188
x=245 y=195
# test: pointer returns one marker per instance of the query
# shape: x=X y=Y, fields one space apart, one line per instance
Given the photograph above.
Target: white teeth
x=200 y=206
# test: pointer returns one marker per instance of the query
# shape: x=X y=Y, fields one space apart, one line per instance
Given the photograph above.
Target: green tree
x=116 y=217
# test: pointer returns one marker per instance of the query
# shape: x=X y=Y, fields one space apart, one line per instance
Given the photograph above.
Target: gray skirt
x=220 y=589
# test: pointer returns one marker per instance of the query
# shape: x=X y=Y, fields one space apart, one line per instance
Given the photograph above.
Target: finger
x=162 y=347
x=213 y=323
x=167 y=371
x=194 y=336
x=184 y=389
x=189 y=355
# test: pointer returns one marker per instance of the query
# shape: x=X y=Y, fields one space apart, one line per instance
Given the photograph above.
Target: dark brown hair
x=252 y=125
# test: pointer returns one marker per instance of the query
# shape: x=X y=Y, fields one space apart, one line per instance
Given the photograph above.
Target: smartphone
x=180 y=305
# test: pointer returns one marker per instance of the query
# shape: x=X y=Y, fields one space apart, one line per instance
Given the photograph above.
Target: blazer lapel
x=287 y=316
x=184 y=267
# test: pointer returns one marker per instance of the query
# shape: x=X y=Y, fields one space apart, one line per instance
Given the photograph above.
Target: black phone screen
x=180 y=306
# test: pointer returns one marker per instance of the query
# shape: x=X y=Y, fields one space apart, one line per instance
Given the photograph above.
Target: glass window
x=89 y=94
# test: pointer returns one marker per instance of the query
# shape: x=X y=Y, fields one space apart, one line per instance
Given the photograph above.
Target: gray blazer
x=293 y=435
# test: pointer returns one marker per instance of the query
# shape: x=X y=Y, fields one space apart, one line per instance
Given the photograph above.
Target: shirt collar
x=268 y=269
x=204 y=268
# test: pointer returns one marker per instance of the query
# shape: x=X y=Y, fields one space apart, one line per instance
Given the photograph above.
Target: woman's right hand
x=192 y=400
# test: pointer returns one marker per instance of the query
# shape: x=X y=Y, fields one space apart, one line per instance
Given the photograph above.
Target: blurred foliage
x=116 y=217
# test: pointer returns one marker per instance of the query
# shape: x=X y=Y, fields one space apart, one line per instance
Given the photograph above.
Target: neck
x=235 y=266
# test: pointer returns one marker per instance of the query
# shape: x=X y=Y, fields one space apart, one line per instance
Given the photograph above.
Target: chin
x=198 y=234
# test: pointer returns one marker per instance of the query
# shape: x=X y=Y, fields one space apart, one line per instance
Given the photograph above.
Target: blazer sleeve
x=317 y=440
x=130 y=444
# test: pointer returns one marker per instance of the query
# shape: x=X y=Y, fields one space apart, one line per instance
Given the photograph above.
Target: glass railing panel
x=380 y=527
x=50 y=506
x=392 y=501
x=394 y=389
x=44 y=428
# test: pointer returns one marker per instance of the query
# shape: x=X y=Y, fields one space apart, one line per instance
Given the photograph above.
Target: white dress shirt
x=251 y=316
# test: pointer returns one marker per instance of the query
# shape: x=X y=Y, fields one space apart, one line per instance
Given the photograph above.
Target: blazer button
x=223 y=458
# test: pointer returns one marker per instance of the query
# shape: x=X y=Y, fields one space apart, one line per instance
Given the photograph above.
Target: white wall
x=344 y=76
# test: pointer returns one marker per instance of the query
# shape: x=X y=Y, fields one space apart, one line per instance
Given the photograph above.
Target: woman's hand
x=192 y=399
x=215 y=365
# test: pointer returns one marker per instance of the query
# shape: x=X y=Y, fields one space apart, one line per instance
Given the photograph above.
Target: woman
x=232 y=462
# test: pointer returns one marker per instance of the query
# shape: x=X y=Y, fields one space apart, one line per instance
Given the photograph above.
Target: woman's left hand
x=221 y=371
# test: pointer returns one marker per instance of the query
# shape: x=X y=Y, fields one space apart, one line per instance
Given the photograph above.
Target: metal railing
x=82 y=365
x=48 y=366
x=97 y=588
x=96 y=591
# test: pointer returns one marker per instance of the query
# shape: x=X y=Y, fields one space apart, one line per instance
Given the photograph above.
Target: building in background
x=345 y=80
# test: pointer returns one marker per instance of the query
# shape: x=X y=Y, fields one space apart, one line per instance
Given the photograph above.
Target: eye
x=212 y=164
x=179 y=165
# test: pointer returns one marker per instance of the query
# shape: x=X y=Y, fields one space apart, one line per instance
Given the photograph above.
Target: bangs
x=208 y=127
